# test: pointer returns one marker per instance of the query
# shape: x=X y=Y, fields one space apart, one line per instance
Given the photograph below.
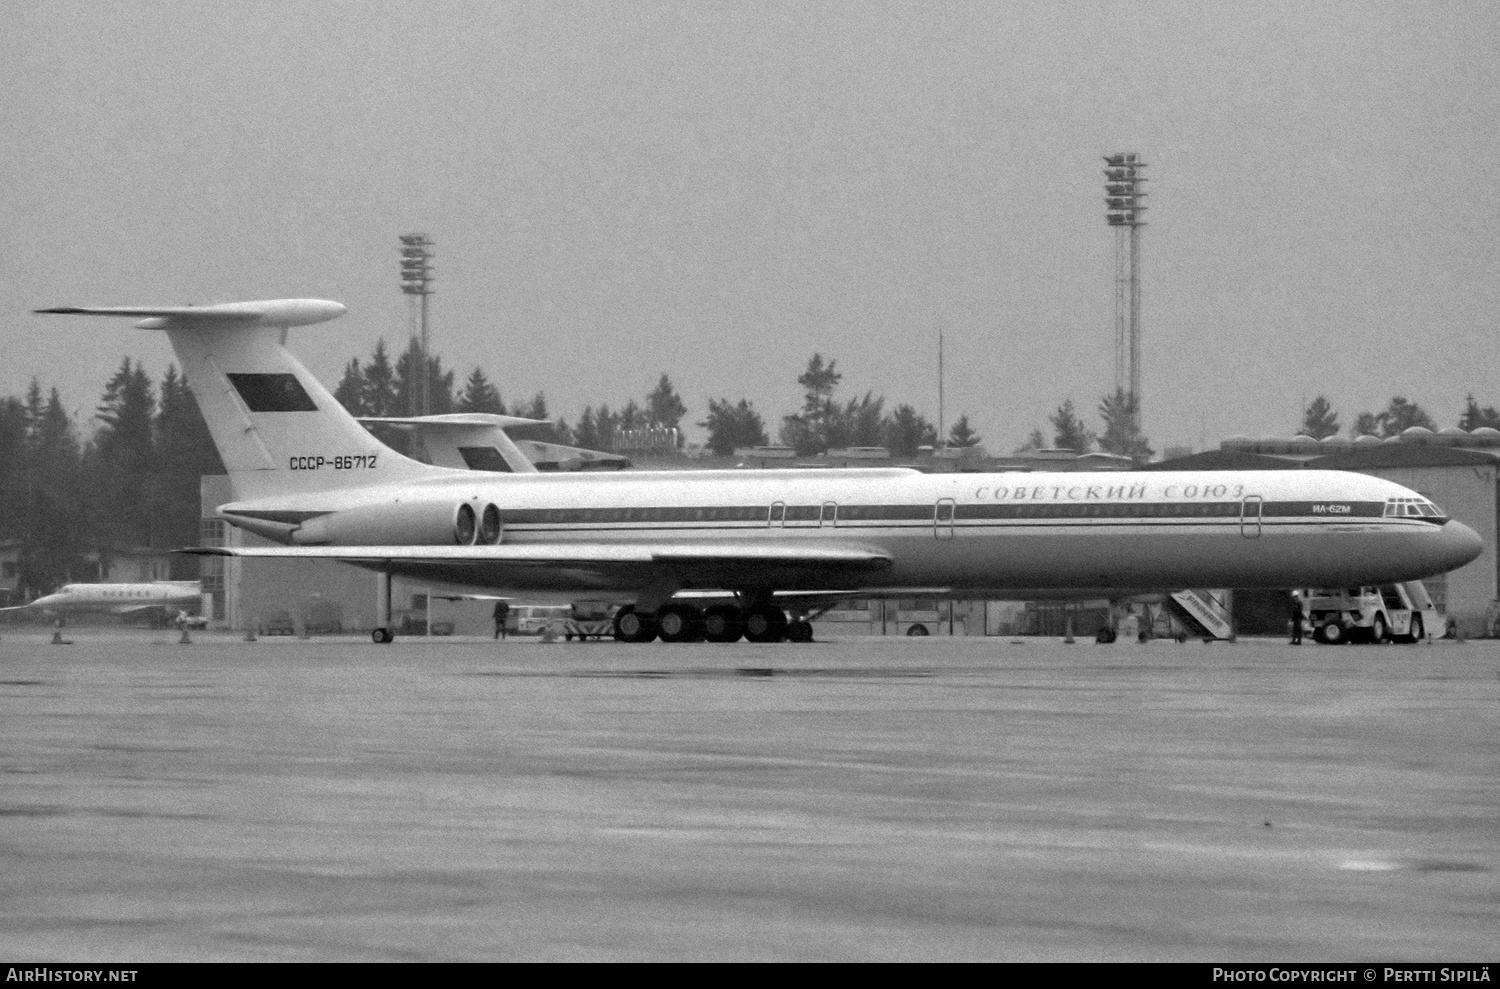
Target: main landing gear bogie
x=680 y=622
x=723 y=623
x=634 y=626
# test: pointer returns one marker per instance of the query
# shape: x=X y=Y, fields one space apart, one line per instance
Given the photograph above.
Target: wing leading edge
x=577 y=554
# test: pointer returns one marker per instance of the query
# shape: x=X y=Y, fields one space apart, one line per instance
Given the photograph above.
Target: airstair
x=1207 y=612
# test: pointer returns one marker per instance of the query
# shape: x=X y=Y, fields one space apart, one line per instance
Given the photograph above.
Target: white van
x=534 y=619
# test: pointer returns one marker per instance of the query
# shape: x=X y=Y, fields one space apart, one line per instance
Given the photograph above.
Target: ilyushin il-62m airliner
x=308 y=477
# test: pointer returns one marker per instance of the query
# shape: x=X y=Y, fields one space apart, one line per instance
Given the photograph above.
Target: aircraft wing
x=809 y=554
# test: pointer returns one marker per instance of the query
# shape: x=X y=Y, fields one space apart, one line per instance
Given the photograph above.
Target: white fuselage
x=119 y=598
x=973 y=532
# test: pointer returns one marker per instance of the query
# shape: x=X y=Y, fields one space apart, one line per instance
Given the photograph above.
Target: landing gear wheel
x=1331 y=634
x=723 y=623
x=917 y=629
x=679 y=623
x=765 y=624
x=634 y=626
x=382 y=636
x=799 y=631
x=1105 y=636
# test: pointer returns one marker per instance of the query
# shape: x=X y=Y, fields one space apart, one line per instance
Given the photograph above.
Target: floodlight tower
x=416 y=279
x=1124 y=188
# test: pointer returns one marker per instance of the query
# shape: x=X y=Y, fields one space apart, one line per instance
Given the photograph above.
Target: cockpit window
x=1412 y=508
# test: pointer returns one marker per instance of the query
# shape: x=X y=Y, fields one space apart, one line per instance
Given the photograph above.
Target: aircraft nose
x=1460 y=545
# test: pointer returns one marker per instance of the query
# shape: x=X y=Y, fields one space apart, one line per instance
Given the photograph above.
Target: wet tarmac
x=868 y=799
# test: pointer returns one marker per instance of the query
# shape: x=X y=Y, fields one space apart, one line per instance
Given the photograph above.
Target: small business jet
x=167 y=596
x=308 y=477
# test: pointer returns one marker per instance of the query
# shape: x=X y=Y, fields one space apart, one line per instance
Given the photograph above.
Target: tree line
x=72 y=502
x=1320 y=421
x=380 y=387
x=1120 y=415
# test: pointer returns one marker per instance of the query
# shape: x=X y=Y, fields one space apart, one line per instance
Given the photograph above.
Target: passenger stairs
x=1206 y=611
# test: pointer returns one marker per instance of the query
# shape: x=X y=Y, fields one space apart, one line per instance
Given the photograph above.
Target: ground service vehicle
x=1372 y=613
x=590 y=619
x=535 y=619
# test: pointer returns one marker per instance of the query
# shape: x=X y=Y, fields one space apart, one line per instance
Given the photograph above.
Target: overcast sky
x=717 y=190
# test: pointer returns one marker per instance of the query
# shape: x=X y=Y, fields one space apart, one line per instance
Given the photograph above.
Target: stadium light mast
x=1124 y=188
x=416 y=280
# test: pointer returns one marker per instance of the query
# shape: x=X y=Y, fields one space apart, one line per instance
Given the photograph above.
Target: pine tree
x=1068 y=431
x=664 y=406
x=480 y=396
x=55 y=542
x=586 y=433
x=408 y=380
x=1122 y=434
x=906 y=431
x=380 y=385
x=1474 y=417
x=1035 y=441
x=351 y=390
x=807 y=431
x=733 y=426
x=1319 y=420
x=606 y=429
x=860 y=422
x=631 y=416
x=185 y=452
x=536 y=410
x=962 y=435
x=13 y=460
x=125 y=464
x=439 y=387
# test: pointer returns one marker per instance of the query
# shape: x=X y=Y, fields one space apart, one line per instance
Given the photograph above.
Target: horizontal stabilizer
x=456 y=420
x=274 y=312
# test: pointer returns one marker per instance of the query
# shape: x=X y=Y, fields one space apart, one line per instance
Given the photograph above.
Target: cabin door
x=942 y=519
x=777 y=517
x=1250 y=517
x=830 y=515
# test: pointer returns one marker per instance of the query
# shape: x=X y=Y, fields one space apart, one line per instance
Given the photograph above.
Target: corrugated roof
x=1226 y=460
x=1385 y=455
x=1402 y=455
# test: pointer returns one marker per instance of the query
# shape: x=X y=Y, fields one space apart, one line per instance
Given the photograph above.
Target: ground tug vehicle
x=1372 y=613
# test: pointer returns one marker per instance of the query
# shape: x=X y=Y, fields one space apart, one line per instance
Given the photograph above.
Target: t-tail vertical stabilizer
x=278 y=430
